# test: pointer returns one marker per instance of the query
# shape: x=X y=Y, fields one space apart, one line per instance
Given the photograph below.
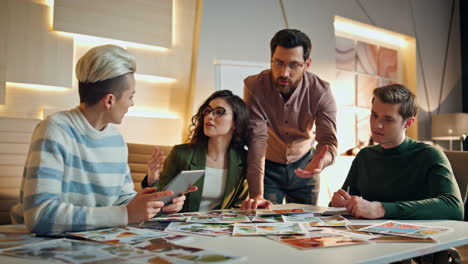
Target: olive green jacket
x=191 y=157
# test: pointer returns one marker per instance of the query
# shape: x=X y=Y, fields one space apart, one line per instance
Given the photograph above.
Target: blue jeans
x=281 y=181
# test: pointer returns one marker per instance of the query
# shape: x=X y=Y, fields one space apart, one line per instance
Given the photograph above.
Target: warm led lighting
x=174 y=23
x=41 y=114
x=49 y=3
x=150 y=112
x=100 y=41
x=37 y=87
x=152 y=78
x=348 y=26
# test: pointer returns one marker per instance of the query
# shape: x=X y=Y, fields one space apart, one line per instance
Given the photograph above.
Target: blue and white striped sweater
x=75 y=178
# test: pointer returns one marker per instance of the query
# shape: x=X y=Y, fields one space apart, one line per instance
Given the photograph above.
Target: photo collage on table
x=158 y=240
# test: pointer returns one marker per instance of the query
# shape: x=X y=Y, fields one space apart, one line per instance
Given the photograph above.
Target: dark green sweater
x=413 y=181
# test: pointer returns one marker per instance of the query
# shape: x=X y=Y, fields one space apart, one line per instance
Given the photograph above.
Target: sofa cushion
x=15 y=137
x=138 y=156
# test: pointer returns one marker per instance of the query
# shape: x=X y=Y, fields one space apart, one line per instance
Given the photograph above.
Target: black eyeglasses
x=292 y=65
x=217 y=112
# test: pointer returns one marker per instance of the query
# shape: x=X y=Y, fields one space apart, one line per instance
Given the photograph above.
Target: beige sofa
x=15 y=136
x=138 y=156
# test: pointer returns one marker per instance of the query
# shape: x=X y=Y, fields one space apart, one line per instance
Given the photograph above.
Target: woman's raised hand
x=155 y=164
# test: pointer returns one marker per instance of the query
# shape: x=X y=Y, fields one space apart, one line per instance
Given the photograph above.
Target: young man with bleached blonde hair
x=400 y=178
x=76 y=175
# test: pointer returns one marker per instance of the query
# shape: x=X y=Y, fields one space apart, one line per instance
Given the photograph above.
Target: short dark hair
x=398 y=94
x=240 y=118
x=91 y=93
x=291 y=38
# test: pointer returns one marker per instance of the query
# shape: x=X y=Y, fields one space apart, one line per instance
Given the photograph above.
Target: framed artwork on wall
x=366 y=58
x=345 y=54
x=388 y=63
x=365 y=85
x=361 y=66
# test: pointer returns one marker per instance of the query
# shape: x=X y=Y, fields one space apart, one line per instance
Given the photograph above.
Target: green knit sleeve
x=444 y=199
x=352 y=178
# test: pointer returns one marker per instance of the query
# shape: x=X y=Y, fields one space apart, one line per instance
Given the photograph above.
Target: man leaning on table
x=400 y=178
x=286 y=102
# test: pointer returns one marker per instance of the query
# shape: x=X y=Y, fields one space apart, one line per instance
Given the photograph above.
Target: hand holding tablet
x=180 y=183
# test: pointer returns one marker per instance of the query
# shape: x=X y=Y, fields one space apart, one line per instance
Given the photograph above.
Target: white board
x=230 y=75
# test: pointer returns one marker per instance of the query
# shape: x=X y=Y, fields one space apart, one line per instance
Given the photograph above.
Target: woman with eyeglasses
x=216 y=144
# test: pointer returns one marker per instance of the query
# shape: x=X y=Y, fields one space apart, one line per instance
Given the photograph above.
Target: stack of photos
x=406 y=230
x=184 y=254
x=384 y=238
x=201 y=228
x=317 y=221
x=268 y=219
x=236 y=212
x=62 y=250
x=178 y=217
x=336 y=211
x=318 y=239
x=157 y=250
x=119 y=235
x=154 y=224
x=221 y=219
x=8 y=240
x=256 y=229
x=272 y=212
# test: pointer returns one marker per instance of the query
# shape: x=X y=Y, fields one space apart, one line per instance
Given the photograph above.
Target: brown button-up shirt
x=283 y=132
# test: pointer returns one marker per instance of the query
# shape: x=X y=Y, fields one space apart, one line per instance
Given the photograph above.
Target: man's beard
x=288 y=88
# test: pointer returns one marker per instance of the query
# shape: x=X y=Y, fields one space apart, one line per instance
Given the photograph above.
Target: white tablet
x=180 y=183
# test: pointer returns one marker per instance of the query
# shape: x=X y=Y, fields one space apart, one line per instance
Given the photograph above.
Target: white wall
x=241 y=30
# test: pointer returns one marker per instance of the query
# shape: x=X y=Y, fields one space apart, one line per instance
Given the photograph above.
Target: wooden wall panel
x=12 y=159
x=34 y=54
x=16 y=125
x=144 y=21
x=176 y=62
x=155 y=131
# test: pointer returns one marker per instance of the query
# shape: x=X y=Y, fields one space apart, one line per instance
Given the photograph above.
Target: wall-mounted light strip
x=37 y=87
x=100 y=41
x=360 y=29
x=94 y=39
x=151 y=113
x=50 y=4
x=174 y=21
x=153 y=78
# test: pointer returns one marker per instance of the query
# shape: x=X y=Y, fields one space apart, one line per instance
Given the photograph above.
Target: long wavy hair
x=240 y=118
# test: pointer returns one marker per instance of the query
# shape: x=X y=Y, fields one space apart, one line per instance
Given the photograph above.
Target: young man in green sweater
x=400 y=178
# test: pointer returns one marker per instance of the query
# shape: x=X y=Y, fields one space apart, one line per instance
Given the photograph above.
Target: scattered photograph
x=119 y=235
x=256 y=229
x=201 y=228
x=221 y=219
x=407 y=230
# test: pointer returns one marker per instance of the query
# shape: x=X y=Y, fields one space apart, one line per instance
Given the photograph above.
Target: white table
x=264 y=250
